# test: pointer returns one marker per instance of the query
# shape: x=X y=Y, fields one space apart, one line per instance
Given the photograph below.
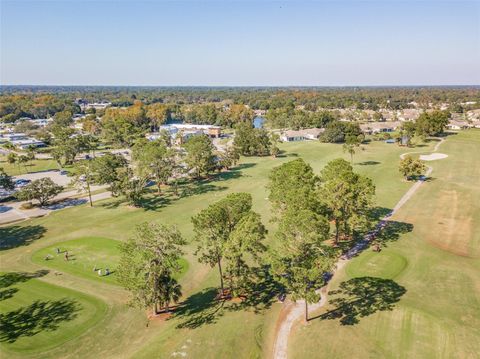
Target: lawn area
x=33 y=166
x=424 y=298
x=37 y=316
x=84 y=255
x=200 y=324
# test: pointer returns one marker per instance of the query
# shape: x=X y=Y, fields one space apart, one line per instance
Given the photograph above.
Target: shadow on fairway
x=377 y=213
x=35 y=318
x=199 y=309
x=204 y=308
x=361 y=297
x=151 y=201
x=16 y=236
x=261 y=293
x=11 y=278
x=368 y=163
x=392 y=232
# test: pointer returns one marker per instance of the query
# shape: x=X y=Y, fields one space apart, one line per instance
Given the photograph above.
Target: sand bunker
x=433 y=157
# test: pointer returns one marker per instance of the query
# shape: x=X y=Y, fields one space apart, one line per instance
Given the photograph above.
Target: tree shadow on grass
x=361 y=297
x=152 y=201
x=35 y=318
x=11 y=278
x=392 y=232
x=197 y=188
x=205 y=308
x=16 y=236
x=368 y=163
x=234 y=172
x=261 y=293
x=7 y=293
x=199 y=309
x=377 y=213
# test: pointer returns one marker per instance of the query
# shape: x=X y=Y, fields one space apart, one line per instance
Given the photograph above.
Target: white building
x=186 y=131
x=301 y=135
x=41 y=122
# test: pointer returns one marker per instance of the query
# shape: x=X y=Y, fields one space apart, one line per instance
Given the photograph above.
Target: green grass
x=437 y=264
x=386 y=264
x=84 y=255
x=39 y=316
x=212 y=332
x=33 y=166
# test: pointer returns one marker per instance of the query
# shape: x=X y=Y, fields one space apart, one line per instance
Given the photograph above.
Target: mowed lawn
x=37 y=316
x=425 y=300
x=200 y=328
x=85 y=255
x=31 y=166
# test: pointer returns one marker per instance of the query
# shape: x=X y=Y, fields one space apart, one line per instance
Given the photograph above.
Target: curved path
x=295 y=310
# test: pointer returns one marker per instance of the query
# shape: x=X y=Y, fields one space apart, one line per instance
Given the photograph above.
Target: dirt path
x=295 y=310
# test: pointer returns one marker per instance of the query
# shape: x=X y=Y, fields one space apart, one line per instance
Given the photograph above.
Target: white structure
x=379 y=127
x=95 y=105
x=21 y=140
x=302 y=135
x=41 y=122
x=186 y=131
x=458 y=125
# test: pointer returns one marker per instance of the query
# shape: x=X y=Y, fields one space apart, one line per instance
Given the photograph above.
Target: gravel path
x=295 y=310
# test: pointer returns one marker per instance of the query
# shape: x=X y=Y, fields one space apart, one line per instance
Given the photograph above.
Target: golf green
x=86 y=257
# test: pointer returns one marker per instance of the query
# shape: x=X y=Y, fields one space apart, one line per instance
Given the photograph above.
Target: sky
x=233 y=43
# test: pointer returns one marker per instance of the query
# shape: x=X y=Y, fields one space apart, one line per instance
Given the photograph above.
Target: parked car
x=21 y=182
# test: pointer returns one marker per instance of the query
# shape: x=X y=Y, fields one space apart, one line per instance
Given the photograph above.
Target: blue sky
x=239 y=43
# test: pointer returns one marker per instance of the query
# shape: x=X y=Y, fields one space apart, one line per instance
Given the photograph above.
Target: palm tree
x=22 y=159
x=12 y=158
x=349 y=148
x=168 y=291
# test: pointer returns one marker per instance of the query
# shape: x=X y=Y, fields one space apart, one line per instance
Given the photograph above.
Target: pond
x=258 y=122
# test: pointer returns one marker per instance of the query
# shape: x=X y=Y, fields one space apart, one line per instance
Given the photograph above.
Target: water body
x=258 y=122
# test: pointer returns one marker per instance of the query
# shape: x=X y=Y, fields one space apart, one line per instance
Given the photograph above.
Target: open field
x=424 y=298
x=200 y=327
x=32 y=166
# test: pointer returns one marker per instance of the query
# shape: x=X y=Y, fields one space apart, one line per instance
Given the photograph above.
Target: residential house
x=302 y=135
x=379 y=127
x=458 y=125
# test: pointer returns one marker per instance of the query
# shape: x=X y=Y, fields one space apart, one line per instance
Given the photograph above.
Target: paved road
x=11 y=211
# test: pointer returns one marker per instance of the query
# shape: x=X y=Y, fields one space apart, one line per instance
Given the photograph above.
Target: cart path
x=295 y=310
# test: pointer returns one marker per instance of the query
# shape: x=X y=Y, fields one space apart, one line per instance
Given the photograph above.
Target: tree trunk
x=221 y=275
x=336 y=231
x=306 y=311
x=175 y=188
x=89 y=194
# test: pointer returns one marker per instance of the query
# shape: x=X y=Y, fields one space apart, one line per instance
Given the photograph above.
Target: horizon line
x=242 y=86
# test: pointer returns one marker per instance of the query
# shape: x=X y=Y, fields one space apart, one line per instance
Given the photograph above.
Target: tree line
x=39 y=102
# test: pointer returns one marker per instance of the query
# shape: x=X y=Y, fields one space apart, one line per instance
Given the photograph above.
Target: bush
x=27 y=205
